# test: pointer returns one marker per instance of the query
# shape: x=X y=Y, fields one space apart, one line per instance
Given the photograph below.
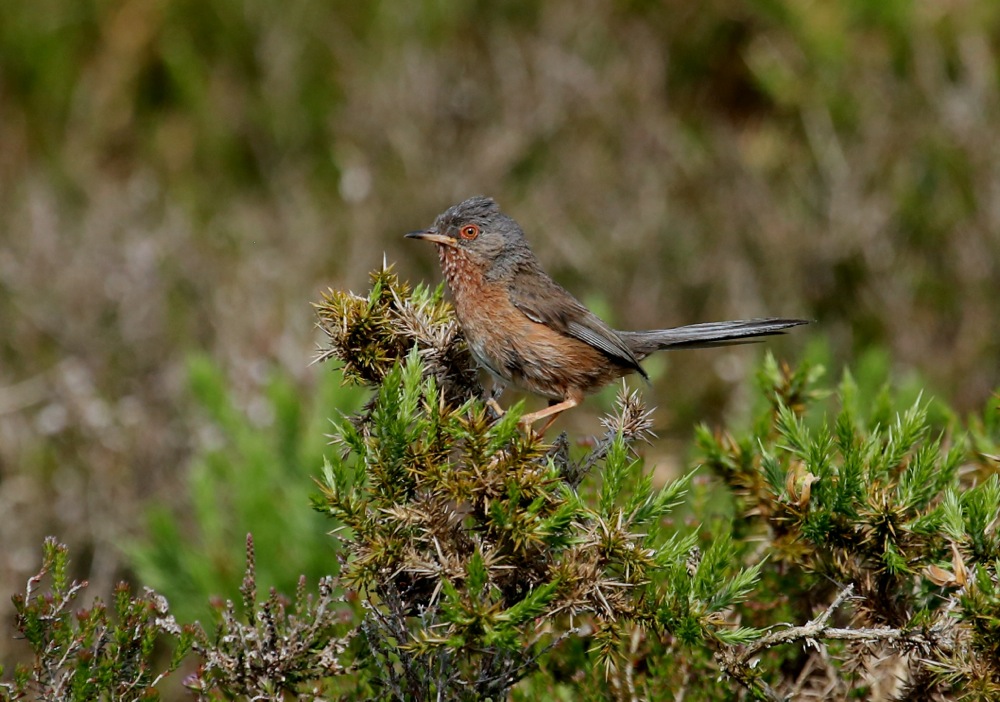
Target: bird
x=528 y=331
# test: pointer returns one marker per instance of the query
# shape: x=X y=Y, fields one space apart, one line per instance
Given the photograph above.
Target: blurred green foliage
x=252 y=474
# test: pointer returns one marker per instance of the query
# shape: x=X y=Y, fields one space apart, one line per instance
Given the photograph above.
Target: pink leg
x=493 y=405
x=495 y=392
x=551 y=412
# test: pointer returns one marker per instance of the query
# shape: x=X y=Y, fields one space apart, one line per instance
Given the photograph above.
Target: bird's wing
x=544 y=301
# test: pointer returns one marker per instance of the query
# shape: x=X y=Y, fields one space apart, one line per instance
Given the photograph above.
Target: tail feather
x=699 y=336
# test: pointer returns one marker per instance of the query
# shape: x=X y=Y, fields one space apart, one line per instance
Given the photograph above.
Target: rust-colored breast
x=514 y=348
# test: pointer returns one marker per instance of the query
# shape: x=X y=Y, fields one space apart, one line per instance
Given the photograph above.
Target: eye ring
x=469 y=232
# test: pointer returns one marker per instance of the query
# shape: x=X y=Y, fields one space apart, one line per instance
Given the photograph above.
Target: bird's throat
x=459 y=271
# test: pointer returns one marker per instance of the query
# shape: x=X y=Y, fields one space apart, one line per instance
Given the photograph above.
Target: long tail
x=698 y=336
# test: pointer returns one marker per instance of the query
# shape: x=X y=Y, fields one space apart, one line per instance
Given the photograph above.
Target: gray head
x=479 y=230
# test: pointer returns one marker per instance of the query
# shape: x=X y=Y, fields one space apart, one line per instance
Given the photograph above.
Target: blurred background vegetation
x=178 y=179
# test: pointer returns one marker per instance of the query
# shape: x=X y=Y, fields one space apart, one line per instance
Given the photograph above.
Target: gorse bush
x=476 y=542
x=857 y=557
x=478 y=553
x=894 y=515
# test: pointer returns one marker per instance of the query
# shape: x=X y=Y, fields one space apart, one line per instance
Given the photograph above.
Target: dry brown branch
x=739 y=661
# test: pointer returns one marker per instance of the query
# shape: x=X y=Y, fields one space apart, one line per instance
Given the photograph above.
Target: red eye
x=469 y=231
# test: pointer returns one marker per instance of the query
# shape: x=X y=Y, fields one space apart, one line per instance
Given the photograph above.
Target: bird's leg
x=491 y=399
x=552 y=411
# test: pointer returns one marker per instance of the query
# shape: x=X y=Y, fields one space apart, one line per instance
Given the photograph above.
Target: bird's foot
x=494 y=407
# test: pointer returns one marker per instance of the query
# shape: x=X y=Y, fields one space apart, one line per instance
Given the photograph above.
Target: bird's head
x=479 y=232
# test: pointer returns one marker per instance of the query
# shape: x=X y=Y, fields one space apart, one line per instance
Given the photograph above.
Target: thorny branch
x=632 y=420
x=738 y=661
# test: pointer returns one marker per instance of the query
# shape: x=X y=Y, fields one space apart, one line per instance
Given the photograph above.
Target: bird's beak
x=433 y=235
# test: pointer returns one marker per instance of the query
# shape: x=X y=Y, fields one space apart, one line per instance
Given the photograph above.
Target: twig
x=815 y=629
x=736 y=661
